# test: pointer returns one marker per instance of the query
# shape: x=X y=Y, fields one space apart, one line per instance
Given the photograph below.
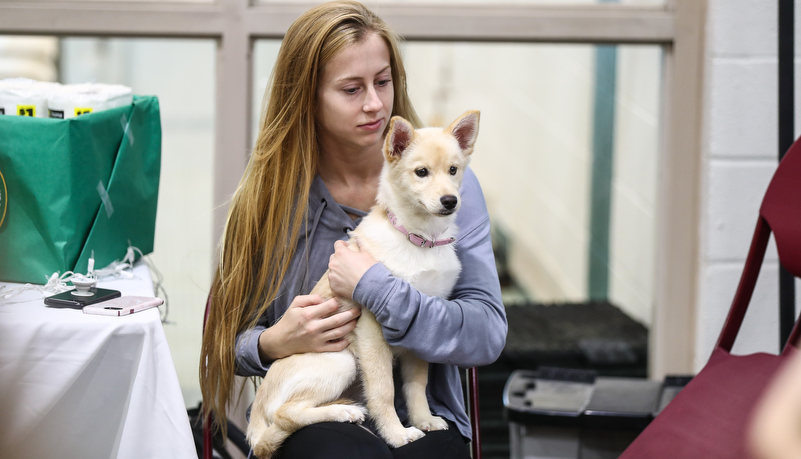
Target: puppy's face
x=426 y=166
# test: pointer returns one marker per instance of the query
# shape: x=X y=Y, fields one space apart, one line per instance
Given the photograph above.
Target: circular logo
x=3 y=199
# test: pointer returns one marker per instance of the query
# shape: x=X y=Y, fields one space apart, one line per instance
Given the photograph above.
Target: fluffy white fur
x=307 y=388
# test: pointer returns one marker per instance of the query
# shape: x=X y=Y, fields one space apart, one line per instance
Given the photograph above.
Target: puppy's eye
x=453 y=170
x=421 y=172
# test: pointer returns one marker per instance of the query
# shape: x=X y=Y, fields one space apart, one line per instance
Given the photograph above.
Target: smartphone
x=70 y=300
x=123 y=306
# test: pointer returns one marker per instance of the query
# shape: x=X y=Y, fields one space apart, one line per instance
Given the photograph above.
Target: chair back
x=709 y=417
x=780 y=213
x=207 y=420
x=781 y=208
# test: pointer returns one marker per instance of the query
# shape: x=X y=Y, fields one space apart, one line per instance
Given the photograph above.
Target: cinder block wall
x=740 y=151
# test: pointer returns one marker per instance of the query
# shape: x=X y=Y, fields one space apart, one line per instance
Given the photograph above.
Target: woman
x=313 y=174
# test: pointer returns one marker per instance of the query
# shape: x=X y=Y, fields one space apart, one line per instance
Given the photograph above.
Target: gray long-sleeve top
x=466 y=330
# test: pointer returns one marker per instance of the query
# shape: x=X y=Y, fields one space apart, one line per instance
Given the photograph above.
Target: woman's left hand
x=346 y=267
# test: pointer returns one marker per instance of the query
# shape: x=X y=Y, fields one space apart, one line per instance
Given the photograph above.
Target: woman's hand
x=346 y=267
x=310 y=324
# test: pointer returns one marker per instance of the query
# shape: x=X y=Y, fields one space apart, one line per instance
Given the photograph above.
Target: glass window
x=29 y=57
x=123 y=1
x=265 y=52
x=181 y=73
x=566 y=156
x=541 y=2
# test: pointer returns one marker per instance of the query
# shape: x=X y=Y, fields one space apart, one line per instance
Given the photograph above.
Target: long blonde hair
x=269 y=207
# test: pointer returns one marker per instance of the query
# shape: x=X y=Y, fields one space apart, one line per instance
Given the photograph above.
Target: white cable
x=55 y=284
x=117 y=269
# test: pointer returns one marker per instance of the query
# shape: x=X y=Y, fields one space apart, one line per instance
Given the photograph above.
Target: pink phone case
x=123 y=305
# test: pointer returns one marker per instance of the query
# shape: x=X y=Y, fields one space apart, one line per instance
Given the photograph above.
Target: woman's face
x=354 y=96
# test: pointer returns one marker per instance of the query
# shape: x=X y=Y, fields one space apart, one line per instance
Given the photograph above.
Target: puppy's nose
x=449 y=201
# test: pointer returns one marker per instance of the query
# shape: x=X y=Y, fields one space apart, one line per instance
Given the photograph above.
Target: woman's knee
x=441 y=444
x=334 y=440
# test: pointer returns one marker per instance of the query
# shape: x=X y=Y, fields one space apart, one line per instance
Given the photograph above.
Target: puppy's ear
x=465 y=129
x=398 y=138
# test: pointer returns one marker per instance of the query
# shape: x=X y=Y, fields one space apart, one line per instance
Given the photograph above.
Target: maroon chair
x=472 y=409
x=709 y=418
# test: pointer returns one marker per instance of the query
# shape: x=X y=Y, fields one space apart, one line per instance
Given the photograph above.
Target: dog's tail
x=261 y=433
x=269 y=441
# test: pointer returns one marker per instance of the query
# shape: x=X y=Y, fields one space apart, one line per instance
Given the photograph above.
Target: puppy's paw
x=404 y=436
x=432 y=423
x=349 y=413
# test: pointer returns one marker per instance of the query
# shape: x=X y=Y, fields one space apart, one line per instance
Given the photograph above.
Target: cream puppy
x=411 y=230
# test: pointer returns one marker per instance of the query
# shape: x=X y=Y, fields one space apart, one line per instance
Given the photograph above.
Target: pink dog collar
x=415 y=238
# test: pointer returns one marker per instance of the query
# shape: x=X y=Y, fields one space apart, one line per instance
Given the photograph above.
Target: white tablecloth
x=77 y=385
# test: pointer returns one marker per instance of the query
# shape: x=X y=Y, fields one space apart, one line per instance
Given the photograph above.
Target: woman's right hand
x=310 y=324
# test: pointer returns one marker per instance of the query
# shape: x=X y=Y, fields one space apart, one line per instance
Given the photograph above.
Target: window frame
x=678 y=27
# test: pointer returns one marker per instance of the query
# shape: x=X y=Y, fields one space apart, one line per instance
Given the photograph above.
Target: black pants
x=340 y=440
